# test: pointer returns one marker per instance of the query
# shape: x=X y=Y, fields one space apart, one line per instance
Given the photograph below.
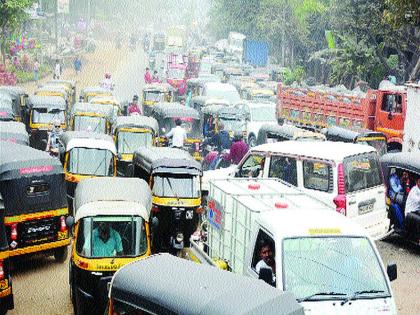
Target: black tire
x=60 y=254
x=252 y=141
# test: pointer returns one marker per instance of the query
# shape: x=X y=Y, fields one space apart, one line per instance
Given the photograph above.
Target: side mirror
x=130 y=170
x=391 y=270
x=119 y=156
x=69 y=221
x=155 y=222
x=266 y=274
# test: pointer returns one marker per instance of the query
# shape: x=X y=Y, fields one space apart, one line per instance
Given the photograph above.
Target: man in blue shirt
x=395 y=184
x=106 y=241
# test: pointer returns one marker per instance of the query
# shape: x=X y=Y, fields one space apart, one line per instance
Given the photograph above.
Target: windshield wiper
x=100 y=164
x=357 y=293
x=170 y=186
x=309 y=297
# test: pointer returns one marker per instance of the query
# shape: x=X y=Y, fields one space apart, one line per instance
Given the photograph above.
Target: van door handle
x=352 y=202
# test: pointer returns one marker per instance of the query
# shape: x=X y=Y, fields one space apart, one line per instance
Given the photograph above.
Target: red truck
x=381 y=110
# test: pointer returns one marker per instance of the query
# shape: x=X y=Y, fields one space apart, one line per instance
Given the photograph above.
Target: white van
x=345 y=175
x=221 y=90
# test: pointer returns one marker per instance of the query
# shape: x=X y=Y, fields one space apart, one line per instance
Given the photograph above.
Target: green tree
x=12 y=15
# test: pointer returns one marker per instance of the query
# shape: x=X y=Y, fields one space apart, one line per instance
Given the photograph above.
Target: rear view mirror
x=391 y=270
x=69 y=221
x=155 y=222
x=266 y=274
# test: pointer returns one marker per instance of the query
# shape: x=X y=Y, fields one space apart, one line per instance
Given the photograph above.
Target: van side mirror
x=69 y=221
x=391 y=270
x=266 y=274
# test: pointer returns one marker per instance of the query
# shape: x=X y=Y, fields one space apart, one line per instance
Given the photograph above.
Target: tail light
x=1 y=270
x=63 y=226
x=155 y=209
x=13 y=232
x=340 y=200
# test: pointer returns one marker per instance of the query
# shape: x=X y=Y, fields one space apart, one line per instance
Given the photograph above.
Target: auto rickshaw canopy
x=81 y=108
x=136 y=121
x=409 y=161
x=6 y=107
x=48 y=102
x=286 y=132
x=86 y=139
x=17 y=94
x=158 y=87
x=350 y=135
x=52 y=90
x=14 y=131
x=174 y=110
x=17 y=161
x=69 y=85
x=112 y=196
x=159 y=283
x=93 y=91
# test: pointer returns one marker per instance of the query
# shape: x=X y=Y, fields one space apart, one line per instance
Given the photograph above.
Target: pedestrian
x=36 y=70
x=155 y=78
x=77 y=65
x=57 y=70
x=147 y=76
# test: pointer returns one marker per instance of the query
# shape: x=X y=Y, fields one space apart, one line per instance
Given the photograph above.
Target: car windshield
x=154 y=96
x=181 y=186
x=331 y=264
x=110 y=236
x=90 y=123
x=260 y=113
x=362 y=172
x=88 y=161
x=128 y=142
x=43 y=116
x=231 y=95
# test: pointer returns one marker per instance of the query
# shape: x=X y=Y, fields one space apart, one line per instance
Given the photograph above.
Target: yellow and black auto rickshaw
x=107 y=101
x=7 y=110
x=156 y=93
x=6 y=291
x=53 y=90
x=69 y=86
x=110 y=229
x=130 y=134
x=91 y=117
x=167 y=113
x=33 y=190
x=90 y=92
x=175 y=179
x=14 y=131
x=18 y=96
x=40 y=114
x=84 y=155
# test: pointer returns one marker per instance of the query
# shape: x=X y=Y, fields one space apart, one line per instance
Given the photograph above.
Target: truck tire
x=60 y=254
x=252 y=141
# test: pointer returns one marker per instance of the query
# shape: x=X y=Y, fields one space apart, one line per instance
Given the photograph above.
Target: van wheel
x=60 y=254
x=252 y=141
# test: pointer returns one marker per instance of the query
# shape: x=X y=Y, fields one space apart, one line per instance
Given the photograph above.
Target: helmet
x=107 y=75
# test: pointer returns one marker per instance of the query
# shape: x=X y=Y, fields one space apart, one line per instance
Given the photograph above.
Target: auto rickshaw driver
x=106 y=242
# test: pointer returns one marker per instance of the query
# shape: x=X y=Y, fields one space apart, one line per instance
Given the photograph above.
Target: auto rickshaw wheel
x=60 y=254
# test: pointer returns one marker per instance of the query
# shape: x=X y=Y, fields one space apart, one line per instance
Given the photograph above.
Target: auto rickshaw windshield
x=110 y=236
x=43 y=116
x=178 y=186
x=90 y=123
x=128 y=141
x=88 y=161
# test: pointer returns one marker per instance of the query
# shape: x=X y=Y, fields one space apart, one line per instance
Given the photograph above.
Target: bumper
x=39 y=248
x=380 y=230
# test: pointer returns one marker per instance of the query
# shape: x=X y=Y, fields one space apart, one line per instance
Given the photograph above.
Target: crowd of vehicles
x=325 y=156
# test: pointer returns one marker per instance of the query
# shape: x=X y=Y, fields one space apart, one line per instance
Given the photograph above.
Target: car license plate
x=366 y=208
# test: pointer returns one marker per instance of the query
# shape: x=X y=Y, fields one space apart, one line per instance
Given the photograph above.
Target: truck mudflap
x=197 y=254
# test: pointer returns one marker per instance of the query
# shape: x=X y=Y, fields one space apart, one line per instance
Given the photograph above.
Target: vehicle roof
x=212 y=109
x=220 y=86
x=13 y=89
x=231 y=111
x=6 y=98
x=316 y=223
x=328 y=150
x=86 y=139
x=180 y=286
x=95 y=89
x=210 y=100
x=83 y=107
x=21 y=160
x=51 y=88
x=350 y=134
x=104 y=99
x=406 y=160
x=51 y=102
x=136 y=121
x=109 y=194
x=66 y=82
x=163 y=87
x=257 y=103
x=14 y=131
x=262 y=91
x=174 y=110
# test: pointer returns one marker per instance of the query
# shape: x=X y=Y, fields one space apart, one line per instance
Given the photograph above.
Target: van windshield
x=128 y=142
x=336 y=264
x=90 y=123
x=362 y=172
x=87 y=161
x=176 y=186
x=110 y=236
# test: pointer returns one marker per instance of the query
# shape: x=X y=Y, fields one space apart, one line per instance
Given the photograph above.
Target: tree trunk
x=415 y=70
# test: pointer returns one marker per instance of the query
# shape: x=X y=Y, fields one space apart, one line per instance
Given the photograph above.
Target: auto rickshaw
x=69 y=86
x=406 y=166
x=116 y=208
x=167 y=113
x=90 y=92
x=155 y=93
x=33 y=191
x=53 y=90
x=195 y=86
x=200 y=102
x=6 y=291
x=233 y=119
x=131 y=133
x=14 y=131
x=210 y=118
x=153 y=286
x=244 y=88
x=18 y=96
x=175 y=179
x=40 y=114
x=86 y=155
x=7 y=112
x=91 y=117
x=375 y=139
x=270 y=133
x=107 y=101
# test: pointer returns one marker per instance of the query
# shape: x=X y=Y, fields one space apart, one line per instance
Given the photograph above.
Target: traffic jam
x=216 y=189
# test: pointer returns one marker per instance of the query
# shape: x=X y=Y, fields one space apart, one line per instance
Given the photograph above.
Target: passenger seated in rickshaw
x=106 y=242
x=412 y=211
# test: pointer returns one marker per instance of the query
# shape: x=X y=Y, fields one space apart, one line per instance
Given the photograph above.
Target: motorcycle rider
x=53 y=137
x=134 y=107
x=221 y=141
x=107 y=82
